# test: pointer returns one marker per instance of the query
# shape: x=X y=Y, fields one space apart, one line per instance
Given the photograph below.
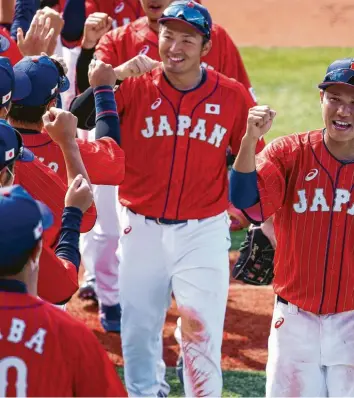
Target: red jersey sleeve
x=273 y=165
x=45 y=185
x=106 y=49
x=57 y=279
x=110 y=168
x=95 y=375
x=243 y=104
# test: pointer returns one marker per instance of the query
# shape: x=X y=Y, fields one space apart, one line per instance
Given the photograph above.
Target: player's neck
x=186 y=81
x=340 y=150
x=28 y=277
x=28 y=126
x=154 y=25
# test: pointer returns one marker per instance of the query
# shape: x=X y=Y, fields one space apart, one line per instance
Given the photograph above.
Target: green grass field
x=286 y=79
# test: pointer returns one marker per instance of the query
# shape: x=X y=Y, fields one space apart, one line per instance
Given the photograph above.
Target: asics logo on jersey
x=144 y=50
x=161 y=127
x=311 y=175
x=318 y=202
x=119 y=8
x=156 y=104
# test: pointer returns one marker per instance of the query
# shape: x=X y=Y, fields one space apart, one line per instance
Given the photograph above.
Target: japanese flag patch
x=6 y=98
x=10 y=154
x=38 y=230
x=212 y=109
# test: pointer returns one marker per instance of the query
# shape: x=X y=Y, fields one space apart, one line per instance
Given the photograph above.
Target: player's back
x=45 y=352
x=103 y=158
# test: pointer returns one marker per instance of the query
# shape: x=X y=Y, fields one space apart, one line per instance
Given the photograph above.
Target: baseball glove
x=255 y=264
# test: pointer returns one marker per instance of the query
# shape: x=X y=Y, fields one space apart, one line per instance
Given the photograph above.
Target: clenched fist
x=96 y=25
x=60 y=125
x=259 y=121
x=101 y=74
x=135 y=67
x=79 y=194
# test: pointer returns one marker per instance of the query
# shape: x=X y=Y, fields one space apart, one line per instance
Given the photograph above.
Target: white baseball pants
x=310 y=355
x=190 y=260
x=99 y=246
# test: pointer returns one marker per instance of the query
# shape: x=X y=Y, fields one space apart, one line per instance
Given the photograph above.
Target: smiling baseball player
x=306 y=180
x=175 y=199
x=116 y=47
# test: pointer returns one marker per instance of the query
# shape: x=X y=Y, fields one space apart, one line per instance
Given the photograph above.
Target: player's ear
x=3 y=177
x=35 y=255
x=322 y=93
x=206 y=48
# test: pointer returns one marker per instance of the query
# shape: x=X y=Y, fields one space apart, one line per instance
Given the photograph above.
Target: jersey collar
x=12 y=286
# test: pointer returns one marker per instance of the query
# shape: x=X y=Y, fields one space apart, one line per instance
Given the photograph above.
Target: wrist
x=68 y=145
x=87 y=44
x=119 y=73
x=249 y=141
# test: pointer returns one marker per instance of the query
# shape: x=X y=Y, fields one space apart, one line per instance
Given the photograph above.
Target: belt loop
x=293 y=309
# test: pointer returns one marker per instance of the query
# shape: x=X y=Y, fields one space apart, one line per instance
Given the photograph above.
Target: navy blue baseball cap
x=339 y=72
x=13 y=84
x=191 y=13
x=11 y=146
x=23 y=221
x=47 y=79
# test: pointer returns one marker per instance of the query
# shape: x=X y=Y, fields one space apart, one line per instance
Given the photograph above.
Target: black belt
x=281 y=300
x=162 y=221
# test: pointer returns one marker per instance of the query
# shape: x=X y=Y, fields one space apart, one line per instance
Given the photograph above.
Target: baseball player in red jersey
x=119 y=46
x=58 y=278
x=43 y=351
x=175 y=196
x=104 y=159
x=306 y=180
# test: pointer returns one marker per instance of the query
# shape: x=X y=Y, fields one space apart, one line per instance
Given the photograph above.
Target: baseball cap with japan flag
x=13 y=84
x=23 y=221
x=11 y=147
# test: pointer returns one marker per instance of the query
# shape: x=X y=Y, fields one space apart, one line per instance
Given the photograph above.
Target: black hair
x=18 y=265
x=26 y=113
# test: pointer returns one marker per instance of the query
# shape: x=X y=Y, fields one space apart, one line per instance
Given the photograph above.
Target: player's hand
x=60 y=125
x=37 y=38
x=101 y=74
x=135 y=67
x=259 y=122
x=56 y=22
x=79 y=194
x=96 y=25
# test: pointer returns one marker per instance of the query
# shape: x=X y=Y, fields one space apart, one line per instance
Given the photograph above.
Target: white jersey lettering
x=319 y=200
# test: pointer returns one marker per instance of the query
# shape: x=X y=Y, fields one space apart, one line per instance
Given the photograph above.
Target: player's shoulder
x=296 y=142
x=218 y=31
x=225 y=82
x=127 y=30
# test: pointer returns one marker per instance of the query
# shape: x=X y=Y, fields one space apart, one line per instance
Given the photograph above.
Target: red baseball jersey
x=121 y=11
x=122 y=44
x=45 y=352
x=179 y=171
x=311 y=196
x=104 y=159
x=58 y=279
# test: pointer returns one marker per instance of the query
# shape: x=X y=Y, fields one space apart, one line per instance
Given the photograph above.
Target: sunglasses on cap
x=345 y=76
x=189 y=15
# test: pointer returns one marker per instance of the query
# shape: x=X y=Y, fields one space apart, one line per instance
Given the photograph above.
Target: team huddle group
x=129 y=136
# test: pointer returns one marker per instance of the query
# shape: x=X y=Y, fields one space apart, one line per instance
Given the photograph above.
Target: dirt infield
x=246 y=329
x=263 y=23
x=283 y=23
